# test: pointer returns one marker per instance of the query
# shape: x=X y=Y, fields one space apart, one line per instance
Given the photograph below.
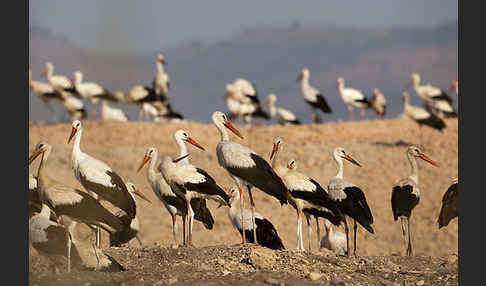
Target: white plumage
x=420 y=115
x=378 y=102
x=312 y=96
x=111 y=113
x=436 y=100
x=86 y=89
x=334 y=240
x=352 y=97
x=282 y=115
x=161 y=79
x=58 y=81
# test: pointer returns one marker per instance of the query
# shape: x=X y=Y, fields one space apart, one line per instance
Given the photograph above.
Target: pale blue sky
x=128 y=26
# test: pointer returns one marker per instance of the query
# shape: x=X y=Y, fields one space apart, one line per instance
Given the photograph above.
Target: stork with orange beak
x=98 y=178
x=350 y=199
x=406 y=194
x=247 y=168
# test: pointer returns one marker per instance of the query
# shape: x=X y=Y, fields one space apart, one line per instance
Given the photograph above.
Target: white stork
x=250 y=105
x=89 y=257
x=161 y=83
x=68 y=201
x=98 y=178
x=247 y=168
x=232 y=102
x=406 y=194
x=131 y=226
x=59 y=81
x=266 y=233
x=282 y=115
x=420 y=115
x=189 y=182
x=334 y=240
x=378 y=102
x=449 y=210
x=349 y=198
x=352 y=98
x=312 y=96
x=310 y=198
x=148 y=110
x=436 y=100
x=174 y=205
x=43 y=89
x=112 y=113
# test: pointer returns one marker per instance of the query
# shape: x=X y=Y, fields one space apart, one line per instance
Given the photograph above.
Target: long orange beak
x=350 y=159
x=138 y=193
x=34 y=155
x=180 y=158
x=193 y=142
x=73 y=131
x=275 y=148
x=230 y=126
x=267 y=101
x=145 y=160
x=427 y=159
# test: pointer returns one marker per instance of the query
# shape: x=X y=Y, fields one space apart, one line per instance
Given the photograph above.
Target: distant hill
x=271 y=57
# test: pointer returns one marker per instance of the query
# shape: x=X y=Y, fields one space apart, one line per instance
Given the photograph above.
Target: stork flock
x=153 y=100
x=241 y=98
x=184 y=188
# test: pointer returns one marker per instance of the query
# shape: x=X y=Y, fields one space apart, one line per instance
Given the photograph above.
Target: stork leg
x=409 y=249
x=347 y=233
x=355 y=227
x=402 y=222
x=242 y=204
x=184 y=242
x=98 y=236
x=318 y=229
x=300 y=243
x=174 y=217
x=69 y=242
x=309 y=230
x=139 y=240
x=189 y=235
x=70 y=228
x=252 y=203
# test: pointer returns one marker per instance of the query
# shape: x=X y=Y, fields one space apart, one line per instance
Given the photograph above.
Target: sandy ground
x=373 y=143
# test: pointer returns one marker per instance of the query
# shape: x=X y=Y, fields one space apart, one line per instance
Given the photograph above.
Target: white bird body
x=43 y=89
x=420 y=115
x=111 y=113
x=282 y=115
x=161 y=79
x=58 y=81
x=378 y=102
x=306 y=90
x=245 y=89
x=352 y=97
x=334 y=240
x=435 y=98
x=87 y=89
x=150 y=110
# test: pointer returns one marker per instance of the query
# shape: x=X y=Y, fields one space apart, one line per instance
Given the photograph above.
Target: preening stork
x=131 y=226
x=378 y=102
x=266 y=233
x=436 y=100
x=247 y=168
x=174 y=205
x=68 y=201
x=282 y=115
x=189 y=182
x=352 y=98
x=310 y=198
x=420 y=115
x=161 y=83
x=349 y=198
x=312 y=96
x=448 y=210
x=99 y=179
x=334 y=240
x=406 y=194
x=43 y=89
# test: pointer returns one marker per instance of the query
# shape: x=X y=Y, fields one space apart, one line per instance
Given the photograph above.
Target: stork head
x=292 y=164
x=76 y=127
x=234 y=194
x=77 y=77
x=161 y=59
x=221 y=121
x=340 y=153
x=182 y=135
x=340 y=82
x=271 y=98
x=40 y=148
x=152 y=151
x=415 y=151
x=414 y=79
x=133 y=190
x=304 y=73
x=49 y=68
x=277 y=145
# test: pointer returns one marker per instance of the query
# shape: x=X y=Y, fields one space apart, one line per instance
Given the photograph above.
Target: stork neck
x=151 y=168
x=339 y=163
x=413 y=166
x=182 y=151
x=41 y=175
x=160 y=67
x=76 y=144
x=45 y=211
x=272 y=108
x=305 y=82
x=224 y=134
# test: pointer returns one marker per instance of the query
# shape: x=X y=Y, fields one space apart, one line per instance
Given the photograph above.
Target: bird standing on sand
x=312 y=96
x=352 y=98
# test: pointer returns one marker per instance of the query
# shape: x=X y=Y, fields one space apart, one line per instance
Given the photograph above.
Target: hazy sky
x=128 y=26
